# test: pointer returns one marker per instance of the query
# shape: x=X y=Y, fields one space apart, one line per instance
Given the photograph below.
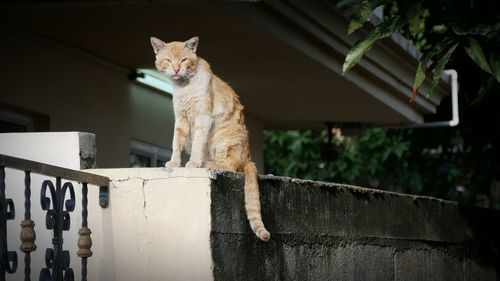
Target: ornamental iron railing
x=61 y=197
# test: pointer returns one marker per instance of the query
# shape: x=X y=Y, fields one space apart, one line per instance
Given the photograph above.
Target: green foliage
x=459 y=163
x=403 y=160
x=495 y=66
x=360 y=18
x=476 y=53
x=359 y=12
x=437 y=28
x=382 y=30
x=414 y=19
x=360 y=160
x=439 y=68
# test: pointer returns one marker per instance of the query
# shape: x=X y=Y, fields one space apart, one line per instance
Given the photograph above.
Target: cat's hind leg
x=225 y=157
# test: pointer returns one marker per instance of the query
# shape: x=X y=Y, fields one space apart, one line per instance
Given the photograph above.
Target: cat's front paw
x=170 y=165
x=193 y=164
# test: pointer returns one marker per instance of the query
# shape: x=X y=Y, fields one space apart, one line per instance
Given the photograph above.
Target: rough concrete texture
x=88 y=150
x=156 y=227
x=428 y=264
x=324 y=231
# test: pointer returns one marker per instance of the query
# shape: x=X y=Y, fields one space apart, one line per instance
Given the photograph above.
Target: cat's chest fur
x=193 y=99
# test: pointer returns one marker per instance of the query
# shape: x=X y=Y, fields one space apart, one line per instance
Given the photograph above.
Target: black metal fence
x=61 y=197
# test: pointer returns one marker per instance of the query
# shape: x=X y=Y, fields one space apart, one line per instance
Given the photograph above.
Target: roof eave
x=318 y=29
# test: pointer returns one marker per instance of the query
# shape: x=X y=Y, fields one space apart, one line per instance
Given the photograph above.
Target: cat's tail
x=252 y=201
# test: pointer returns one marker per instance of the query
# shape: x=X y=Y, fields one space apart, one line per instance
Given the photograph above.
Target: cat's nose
x=175 y=68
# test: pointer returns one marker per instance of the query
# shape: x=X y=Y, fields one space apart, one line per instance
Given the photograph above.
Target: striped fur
x=209 y=121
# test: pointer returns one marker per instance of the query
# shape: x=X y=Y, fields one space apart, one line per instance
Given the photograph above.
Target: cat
x=209 y=121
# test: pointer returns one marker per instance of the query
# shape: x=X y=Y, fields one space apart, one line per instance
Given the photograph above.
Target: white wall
x=83 y=93
x=157 y=226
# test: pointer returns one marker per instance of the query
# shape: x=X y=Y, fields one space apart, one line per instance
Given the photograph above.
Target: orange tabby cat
x=209 y=121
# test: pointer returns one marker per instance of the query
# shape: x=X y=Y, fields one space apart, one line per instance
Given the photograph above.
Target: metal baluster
x=84 y=241
x=28 y=235
x=58 y=220
x=8 y=259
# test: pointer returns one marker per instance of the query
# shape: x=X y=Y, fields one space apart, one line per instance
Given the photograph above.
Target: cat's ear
x=157 y=44
x=192 y=43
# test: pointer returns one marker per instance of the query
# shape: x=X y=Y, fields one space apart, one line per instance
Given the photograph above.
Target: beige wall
x=158 y=226
x=83 y=93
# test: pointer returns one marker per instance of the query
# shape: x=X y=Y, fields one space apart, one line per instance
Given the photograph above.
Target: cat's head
x=176 y=60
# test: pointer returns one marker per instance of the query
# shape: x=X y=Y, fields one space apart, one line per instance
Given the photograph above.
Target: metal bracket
x=104 y=196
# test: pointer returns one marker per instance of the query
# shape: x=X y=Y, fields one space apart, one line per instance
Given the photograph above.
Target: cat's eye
x=168 y=60
x=183 y=60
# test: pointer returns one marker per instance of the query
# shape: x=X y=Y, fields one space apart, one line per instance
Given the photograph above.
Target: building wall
x=80 y=92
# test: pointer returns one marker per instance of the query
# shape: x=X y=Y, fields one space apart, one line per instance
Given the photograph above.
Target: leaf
x=419 y=78
x=420 y=74
x=495 y=65
x=422 y=65
x=441 y=63
x=360 y=13
x=414 y=19
x=476 y=53
x=363 y=13
x=439 y=28
x=382 y=30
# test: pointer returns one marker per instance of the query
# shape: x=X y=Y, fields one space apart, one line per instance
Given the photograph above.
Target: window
x=18 y=120
x=147 y=155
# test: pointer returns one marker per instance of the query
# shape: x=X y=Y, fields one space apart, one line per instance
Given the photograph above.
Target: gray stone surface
x=324 y=231
x=88 y=150
x=299 y=206
x=413 y=265
x=446 y=267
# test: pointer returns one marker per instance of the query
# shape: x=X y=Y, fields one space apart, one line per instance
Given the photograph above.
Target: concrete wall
x=157 y=225
x=323 y=231
x=158 y=228
x=191 y=225
x=81 y=92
